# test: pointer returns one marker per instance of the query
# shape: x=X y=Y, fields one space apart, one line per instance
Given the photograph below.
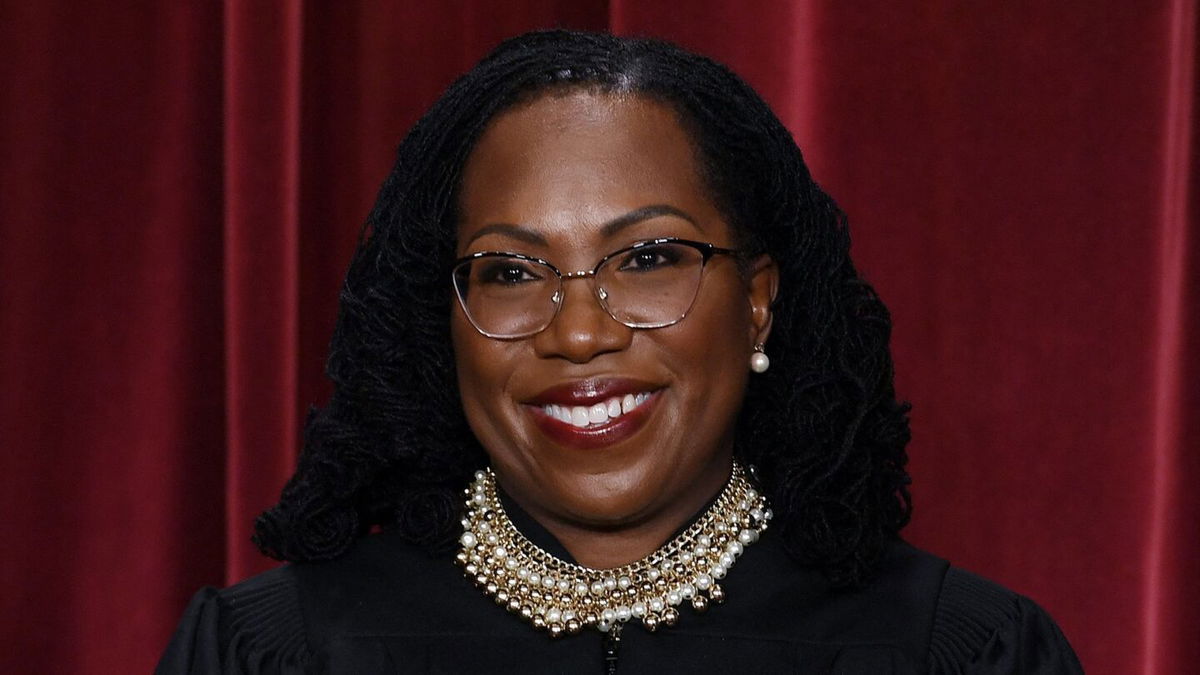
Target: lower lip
x=593 y=437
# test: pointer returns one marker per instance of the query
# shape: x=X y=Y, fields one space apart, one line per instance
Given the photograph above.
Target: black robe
x=389 y=607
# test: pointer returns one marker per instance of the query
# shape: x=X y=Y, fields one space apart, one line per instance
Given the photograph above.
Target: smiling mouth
x=595 y=413
x=598 y=414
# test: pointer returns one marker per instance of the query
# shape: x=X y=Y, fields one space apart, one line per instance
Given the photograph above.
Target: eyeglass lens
x=646 y=287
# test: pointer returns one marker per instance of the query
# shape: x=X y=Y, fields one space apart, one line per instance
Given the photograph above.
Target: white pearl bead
x=735 y=548
x=673 y=598
x=623 y=613
x=745 y=537
x=638 y=609
x=468 y=539
x=608 y=615
x=610 y=583
x=623 y=582
x=717 y=571
x=657 y=605
x=703 y=581
x=759 y=362
x=581 y=588
x=534 y=578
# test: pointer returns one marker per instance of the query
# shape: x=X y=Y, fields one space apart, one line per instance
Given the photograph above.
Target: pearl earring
x=759 y=362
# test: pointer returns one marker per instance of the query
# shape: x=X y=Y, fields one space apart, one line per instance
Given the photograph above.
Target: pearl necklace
x=563 y=598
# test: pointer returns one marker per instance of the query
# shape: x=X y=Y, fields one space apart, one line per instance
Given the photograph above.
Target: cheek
x=481 y=377
x=710 y=353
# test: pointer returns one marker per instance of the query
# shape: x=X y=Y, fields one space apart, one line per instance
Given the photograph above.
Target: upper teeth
x=599 y=413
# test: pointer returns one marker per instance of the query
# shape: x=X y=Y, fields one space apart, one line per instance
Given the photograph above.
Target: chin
x=610 y=500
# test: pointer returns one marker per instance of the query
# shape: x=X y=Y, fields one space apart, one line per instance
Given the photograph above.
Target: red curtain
x=181 y=185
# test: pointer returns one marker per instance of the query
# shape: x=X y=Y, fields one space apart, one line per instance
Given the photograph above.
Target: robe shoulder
x=981 y=627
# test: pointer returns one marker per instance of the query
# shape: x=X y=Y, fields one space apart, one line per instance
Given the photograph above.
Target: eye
x=507 y=273
x=650 y=258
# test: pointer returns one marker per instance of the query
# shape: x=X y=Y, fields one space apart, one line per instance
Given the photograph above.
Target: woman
x=601 y=293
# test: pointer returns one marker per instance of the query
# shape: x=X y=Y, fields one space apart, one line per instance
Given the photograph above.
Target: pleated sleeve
x=256 y=627
x=981 y=628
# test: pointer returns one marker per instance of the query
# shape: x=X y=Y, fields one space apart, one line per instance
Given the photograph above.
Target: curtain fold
x=262 y=164
x=182 y=185
x=1170 y=618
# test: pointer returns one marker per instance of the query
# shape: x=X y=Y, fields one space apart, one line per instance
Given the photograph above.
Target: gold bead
x=647 y=579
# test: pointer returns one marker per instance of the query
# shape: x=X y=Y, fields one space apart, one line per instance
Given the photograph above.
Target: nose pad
x=582 y=327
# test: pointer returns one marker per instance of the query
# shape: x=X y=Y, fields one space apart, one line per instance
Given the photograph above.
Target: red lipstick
x=591 y=391
x=587 y=393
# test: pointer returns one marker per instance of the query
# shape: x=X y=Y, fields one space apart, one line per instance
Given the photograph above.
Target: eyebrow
x=609 y=229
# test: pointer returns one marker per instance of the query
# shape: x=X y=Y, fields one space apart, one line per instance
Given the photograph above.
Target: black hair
x=392 y=448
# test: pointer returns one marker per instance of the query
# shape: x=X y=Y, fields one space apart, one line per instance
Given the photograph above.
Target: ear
x=763 y=287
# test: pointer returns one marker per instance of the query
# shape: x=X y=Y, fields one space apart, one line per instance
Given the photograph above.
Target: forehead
x=563 y=165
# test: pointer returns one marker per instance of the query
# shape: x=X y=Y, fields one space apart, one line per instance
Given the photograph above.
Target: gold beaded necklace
x=563 y=598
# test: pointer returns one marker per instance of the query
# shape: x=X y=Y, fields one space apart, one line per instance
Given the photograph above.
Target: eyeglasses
x=651 y=284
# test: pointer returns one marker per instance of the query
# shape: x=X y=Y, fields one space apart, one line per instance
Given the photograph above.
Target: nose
x=582 y=329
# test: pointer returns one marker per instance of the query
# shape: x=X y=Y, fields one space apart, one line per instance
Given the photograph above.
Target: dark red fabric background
x=181 y=185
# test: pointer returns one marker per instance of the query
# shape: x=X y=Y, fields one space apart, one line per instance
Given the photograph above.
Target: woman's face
x=558 y=179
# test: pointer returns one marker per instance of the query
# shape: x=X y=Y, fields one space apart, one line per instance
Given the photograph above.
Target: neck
x=610 y=546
